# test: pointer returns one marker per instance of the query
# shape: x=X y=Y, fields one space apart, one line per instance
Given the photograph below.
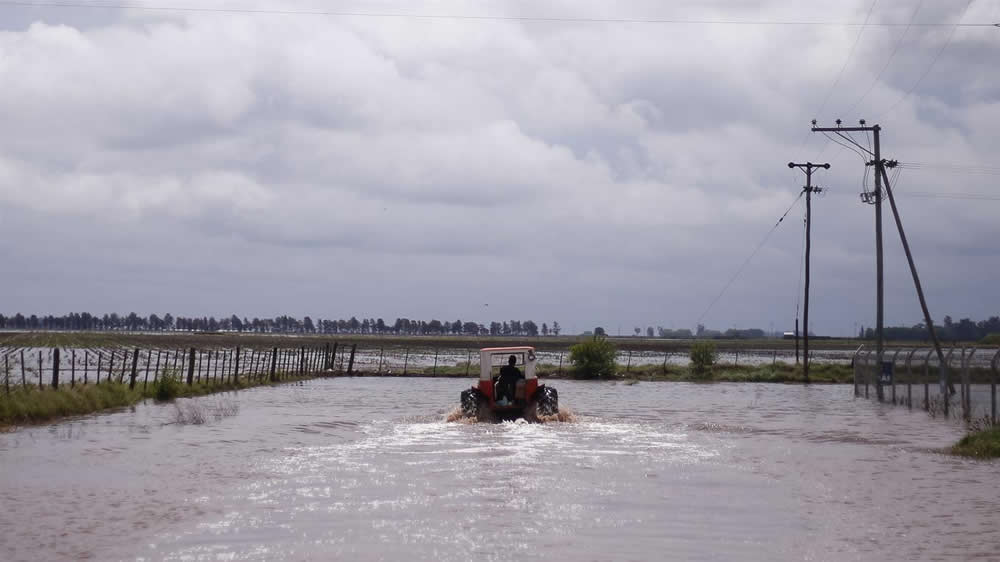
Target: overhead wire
x=934 y=61
x=850 y=54
x=888 y=61
x=749 y=258
x=485 y=17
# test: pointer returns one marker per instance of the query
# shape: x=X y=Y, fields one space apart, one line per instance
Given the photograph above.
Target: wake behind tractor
x=508 y=387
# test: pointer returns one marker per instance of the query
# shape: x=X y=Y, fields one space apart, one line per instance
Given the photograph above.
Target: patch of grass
x=33 y=405
x=984 y=444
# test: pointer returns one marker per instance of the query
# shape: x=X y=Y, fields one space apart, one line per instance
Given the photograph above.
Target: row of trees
x=963 y=330
x=281 y=324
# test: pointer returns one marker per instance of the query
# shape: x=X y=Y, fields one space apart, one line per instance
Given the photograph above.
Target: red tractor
x=505 y=392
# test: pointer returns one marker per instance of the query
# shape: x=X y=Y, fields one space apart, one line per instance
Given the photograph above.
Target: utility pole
x=880 y=164
x=808 y=168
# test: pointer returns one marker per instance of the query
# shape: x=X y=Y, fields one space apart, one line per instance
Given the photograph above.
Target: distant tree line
x=963 y=330
x=281 y=324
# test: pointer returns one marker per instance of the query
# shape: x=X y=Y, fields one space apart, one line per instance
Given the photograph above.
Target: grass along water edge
x=31 y=405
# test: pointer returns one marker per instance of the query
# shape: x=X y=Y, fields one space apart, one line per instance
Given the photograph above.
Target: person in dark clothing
x=507 y=381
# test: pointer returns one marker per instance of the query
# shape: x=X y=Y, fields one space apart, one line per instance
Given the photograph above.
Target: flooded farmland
x=368 y=469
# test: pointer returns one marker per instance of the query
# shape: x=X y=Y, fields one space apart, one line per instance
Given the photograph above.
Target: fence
x=60 y=366
x=977 y=373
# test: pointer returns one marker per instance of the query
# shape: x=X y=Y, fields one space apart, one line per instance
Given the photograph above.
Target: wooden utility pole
x=880 y=164
x=808 y=168
x=876 y=199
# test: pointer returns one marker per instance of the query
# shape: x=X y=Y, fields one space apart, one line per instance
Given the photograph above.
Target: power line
x=850 y=54
x=470 y=17
x=933 y=61
x=895 y=49
x=750 y=257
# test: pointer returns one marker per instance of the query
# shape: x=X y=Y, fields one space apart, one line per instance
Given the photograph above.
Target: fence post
x=468 y=363
x=302 y=360
x=406 y=359
x=236 y=365
x=190 y=378
x=909 y=379
x=927 y=380
x=993 y=388
x=72 y=368
x=86 y=361
x=350 y=364
x=155 y=370
x=867 y=372
x=200 y=361
x=333 y=357
x=149 y=360
x=55 y=367
x=967 y=409
x=560 y=361
x=121 y=376
x=135 y=373
x=944 y=391
x=894 y=356
x=97 y=375
x=628 y=364
x=41 y=383
x=6 y=373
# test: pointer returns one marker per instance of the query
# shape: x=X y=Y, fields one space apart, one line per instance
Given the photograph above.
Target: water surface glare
x=367 y=469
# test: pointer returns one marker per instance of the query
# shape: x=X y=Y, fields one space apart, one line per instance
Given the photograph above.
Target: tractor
x=508 y=387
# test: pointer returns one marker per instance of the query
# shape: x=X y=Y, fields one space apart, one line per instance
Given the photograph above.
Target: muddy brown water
x=368 y=469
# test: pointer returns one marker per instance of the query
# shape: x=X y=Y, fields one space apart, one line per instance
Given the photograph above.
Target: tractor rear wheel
x=548 y=401
x=471 y=399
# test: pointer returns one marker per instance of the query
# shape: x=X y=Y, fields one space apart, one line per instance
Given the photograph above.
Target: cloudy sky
x=594 y=173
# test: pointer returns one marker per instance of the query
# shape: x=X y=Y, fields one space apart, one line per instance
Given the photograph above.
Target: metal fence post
x=967 y=381
x=274 y=364
x=72 y=368
x=927 y=380
x=406 y=360
x=909 y=379
x=993 y=387
x=40 y=371
x=190 y=378
x=947 y=375
x=350 y=364
x=855 y=362
x=894 y=356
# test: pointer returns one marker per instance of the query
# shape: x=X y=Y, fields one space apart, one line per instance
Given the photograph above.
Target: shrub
x=593 y=359
x=702 y=356
x=167 y=387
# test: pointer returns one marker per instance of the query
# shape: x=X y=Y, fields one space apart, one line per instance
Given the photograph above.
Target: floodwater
x=368 y=469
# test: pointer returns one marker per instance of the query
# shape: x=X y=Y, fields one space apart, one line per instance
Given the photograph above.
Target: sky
x=595 y=173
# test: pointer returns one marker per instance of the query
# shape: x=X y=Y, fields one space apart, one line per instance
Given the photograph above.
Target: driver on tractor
x=507 y=381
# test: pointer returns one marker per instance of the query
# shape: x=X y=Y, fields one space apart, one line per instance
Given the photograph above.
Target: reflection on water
x=372 y=469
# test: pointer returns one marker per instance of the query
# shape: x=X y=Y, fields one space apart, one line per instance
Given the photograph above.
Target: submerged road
x=368 y=469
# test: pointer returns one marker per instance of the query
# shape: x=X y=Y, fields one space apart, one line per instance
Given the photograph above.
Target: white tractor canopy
x=491 y=359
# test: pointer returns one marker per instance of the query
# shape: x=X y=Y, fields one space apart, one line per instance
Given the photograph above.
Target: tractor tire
x=548 y=401
x=471 y=400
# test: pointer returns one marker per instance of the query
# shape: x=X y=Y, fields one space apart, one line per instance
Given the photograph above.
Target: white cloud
x=438 y=161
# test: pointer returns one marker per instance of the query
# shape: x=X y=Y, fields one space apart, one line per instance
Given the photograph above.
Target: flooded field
x=367 y=469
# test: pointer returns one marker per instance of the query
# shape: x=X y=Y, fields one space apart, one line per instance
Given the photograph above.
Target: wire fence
x=964 y=384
